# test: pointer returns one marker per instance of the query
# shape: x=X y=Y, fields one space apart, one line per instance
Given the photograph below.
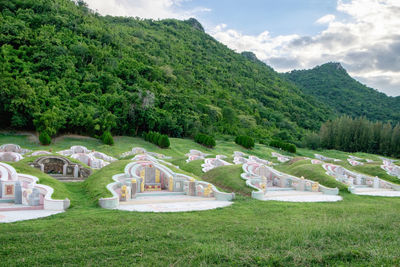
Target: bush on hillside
x=205 y=140
x=283 y=145
x=245 y=141
x=158 y=139
x=163 y=141
x=44 y=138
x=107 y=138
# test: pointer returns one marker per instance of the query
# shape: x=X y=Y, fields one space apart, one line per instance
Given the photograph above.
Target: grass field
x=358 y=231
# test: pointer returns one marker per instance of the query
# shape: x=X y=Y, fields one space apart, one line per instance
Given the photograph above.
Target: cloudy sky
x=363 y=35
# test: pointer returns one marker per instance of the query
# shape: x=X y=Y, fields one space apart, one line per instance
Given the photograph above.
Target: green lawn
x=358 y=231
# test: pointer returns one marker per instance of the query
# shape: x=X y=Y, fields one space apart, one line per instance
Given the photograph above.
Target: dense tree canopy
x=360 y=134
x=66 y=68
x=332 y=85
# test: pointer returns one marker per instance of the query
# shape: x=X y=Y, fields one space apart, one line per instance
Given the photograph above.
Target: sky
x=363 y=35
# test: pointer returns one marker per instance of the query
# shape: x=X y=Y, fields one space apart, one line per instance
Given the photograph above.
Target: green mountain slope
x=332 y=85
x=66 y=69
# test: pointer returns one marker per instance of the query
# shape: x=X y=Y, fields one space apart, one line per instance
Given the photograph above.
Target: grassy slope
x=228 y=178
x=96 y=183
x=193 y=167
x=359 y=230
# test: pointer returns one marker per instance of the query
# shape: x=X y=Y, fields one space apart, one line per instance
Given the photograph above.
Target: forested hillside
x=332 y=85
x=66 y=69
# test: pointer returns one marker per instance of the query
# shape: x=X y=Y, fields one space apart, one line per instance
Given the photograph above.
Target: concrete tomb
x=354 y=162
x=316 y=161
x=355 y=158
x=362 y=184
x=195 y=155
x=61 y=168
x=270 y=184
x=239 y=158
x=40 y=152
x=140 y=150
x=22 y=198
x=323 y=158
x=147 y=185
x=10 y=156
x=281 y=158
x=211 y=163
x=391 y=168
x=93 y=159
x=13 y=148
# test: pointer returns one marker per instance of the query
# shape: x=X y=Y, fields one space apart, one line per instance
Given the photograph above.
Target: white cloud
x=154 y=9
x=326 y=19
x=367 y=43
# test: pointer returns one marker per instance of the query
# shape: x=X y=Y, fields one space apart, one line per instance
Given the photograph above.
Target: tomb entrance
x=61 y=168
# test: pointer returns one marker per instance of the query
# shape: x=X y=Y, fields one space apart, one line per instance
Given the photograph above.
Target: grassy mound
x=228 y=179
x=60 y=190
x=97 y=182
x=313 y=172
x=193 y=167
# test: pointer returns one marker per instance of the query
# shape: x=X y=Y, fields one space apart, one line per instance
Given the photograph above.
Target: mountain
x=331 y=84
x=65 y=68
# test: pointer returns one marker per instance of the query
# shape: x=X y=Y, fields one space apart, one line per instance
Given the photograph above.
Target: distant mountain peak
x=333 y=65
x=331 y=84
x=250 y=55
x=195 y=24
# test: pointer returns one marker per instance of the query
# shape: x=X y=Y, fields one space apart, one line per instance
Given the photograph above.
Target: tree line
x=357 y=135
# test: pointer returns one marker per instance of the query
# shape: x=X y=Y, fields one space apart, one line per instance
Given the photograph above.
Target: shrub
x=44 y=138
x=107 y=138
x=283 y=145
x=245 y=141
x=205 y=140
x=163 y=141
x=158 y=139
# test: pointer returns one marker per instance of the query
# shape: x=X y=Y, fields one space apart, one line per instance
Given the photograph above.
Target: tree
x=164 y=141
x=44 y=138
x=312 y=140
x=395 y=144
x=107 y=138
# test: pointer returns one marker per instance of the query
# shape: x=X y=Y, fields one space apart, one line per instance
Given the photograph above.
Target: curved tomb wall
x=262 y=177
x=60 y=167
x=23 y=189
x=357 y=180
x=10 y=156
x=142 y=176
x=13 y=148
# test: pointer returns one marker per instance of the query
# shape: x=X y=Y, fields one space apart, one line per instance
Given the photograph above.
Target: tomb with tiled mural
x=148 y=185
x=22 y=197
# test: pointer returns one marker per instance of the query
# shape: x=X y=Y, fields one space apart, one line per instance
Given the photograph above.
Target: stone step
x=280 y=189
x=159 y=193
x=163 y=199
x=362 y=186
x=20 y=207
